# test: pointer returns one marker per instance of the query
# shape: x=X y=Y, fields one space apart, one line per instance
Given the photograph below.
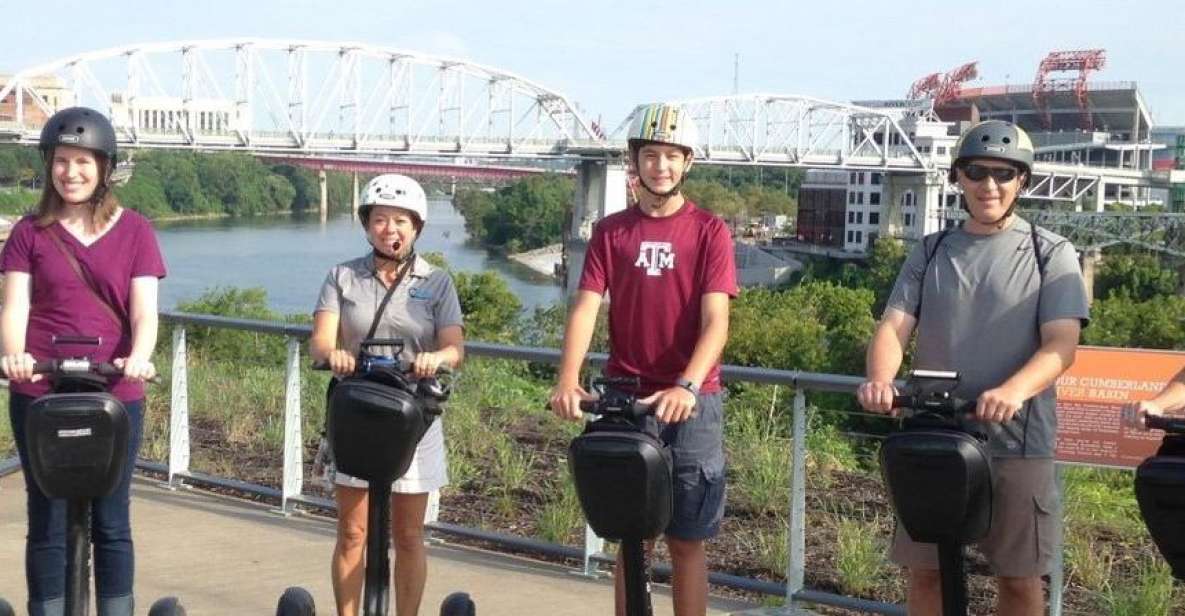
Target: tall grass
x=1150 y=593
x=560 y=518
x=860 y=555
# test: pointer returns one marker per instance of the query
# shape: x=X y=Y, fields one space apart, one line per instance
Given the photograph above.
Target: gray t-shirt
x=424 y=302
x=981 y=308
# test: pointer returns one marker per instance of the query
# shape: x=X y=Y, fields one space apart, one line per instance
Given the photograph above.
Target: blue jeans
x=111 y=531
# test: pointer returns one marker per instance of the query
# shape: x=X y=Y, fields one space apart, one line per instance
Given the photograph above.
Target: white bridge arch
x=309 y=96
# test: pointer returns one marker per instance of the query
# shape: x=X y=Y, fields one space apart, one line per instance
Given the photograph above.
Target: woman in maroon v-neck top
x=121 y=263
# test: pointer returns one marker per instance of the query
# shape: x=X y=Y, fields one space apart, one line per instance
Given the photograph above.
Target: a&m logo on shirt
x=655 y=257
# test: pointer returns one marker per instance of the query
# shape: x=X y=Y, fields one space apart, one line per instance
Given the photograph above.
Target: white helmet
x=663 y=123
x=393 y=190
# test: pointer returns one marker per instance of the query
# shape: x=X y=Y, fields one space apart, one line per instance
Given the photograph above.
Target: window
x=851 y=198
x=876 y=178
x=852 y=178
x=874 y=198
x=859 y=236
x=849 y=237
x=859 y=198
x=859 y=218
x=907 y=198
x=874 y=218
x=909 y=220
x=941 y=150
x=861 y=178
x=951 y=199
x=851 y=217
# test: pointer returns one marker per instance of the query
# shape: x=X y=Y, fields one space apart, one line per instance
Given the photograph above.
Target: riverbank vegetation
x=532 y=212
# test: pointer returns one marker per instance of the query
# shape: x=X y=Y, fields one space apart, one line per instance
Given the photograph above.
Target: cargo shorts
x=697 y=449
x=1026 y=523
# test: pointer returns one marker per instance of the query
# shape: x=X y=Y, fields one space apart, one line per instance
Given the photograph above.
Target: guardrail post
x=796 y=565
x=293 y=481
x=179 y=411
x=593 y=545
x=1057 y=578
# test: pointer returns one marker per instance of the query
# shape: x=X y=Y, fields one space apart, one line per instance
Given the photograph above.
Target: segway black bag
x=940 y=482
x=1160 y=491
x=375 y=423
x=624 y=479
x=77 y=444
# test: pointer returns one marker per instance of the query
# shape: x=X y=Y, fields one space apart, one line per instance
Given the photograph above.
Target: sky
x=609 y=56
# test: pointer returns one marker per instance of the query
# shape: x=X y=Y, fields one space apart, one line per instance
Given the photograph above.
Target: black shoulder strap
x=378 y=313
x=930 y=254
x=1037 y=252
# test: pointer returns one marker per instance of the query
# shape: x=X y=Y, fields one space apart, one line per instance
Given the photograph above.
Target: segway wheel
x=296 y=601
x=458 y=604
x=6 y=608
x=167 y=606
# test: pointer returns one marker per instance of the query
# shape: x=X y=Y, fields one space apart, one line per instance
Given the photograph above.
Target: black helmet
x=80 y=127
x=994 y=139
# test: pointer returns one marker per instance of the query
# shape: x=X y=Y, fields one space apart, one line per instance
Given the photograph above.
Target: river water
x=289 y=256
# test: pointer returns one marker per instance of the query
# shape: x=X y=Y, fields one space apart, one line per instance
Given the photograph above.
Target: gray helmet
x=80 y=127
x=995 y=139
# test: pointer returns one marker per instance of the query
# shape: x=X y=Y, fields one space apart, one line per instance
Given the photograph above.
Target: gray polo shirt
x=982 y=305
x=424 y=302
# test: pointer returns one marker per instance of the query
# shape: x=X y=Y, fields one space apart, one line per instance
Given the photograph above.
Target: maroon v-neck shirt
x=61 y=304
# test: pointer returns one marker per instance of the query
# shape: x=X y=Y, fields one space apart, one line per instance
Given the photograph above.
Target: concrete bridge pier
x=324 y=183
x=1090 y=258
x=600 y=191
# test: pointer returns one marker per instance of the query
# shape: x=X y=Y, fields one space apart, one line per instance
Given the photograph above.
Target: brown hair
x=103 y=203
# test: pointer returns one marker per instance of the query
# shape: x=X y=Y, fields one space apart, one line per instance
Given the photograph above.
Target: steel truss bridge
x=1090 y=231
x=335 y=100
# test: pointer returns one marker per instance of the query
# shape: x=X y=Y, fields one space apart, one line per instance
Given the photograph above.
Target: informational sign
x=1091 y=394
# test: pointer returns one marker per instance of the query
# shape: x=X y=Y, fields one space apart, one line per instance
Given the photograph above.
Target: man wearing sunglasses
x=1002 y=303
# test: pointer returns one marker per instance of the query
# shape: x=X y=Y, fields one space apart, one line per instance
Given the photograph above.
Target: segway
x=1160 y=492
x=375 y=421
x=77 y=451
x=939 y=474
x=624 y=480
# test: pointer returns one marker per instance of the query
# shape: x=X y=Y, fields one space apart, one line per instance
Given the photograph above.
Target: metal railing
x=592 y=554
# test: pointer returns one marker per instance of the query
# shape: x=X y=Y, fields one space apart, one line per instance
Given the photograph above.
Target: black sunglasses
x=978 y=173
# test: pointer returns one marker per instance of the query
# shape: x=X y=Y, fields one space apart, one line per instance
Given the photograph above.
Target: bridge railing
x=292 y=492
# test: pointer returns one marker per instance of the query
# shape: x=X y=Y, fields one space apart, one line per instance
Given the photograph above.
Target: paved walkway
x=225 y=556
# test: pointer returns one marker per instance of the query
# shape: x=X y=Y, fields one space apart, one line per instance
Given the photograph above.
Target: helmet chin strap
x=379 y=256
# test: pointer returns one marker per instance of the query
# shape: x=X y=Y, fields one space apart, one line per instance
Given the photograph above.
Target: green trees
x=1137 y=276
x=818 y=326
x=167 y=183
x=20 y=166
x=527 y=214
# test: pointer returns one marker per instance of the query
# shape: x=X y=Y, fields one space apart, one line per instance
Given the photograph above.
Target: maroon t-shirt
x=656 y=270
x=61 y=304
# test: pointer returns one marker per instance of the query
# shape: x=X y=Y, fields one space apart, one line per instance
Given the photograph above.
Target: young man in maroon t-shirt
x=668 y=268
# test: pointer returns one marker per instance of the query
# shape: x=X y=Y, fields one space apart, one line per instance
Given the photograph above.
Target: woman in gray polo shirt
x=425 y=313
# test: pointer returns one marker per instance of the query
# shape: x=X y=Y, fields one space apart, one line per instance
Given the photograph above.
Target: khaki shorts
x=1026 y=523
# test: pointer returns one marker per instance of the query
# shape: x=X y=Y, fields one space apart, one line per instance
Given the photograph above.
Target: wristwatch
x=688 y=385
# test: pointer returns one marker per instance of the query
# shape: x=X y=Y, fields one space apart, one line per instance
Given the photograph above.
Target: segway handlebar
x=1168 y=423
x=410 y=371
x=602 y=406
x=81 y=366
x=939 y=404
